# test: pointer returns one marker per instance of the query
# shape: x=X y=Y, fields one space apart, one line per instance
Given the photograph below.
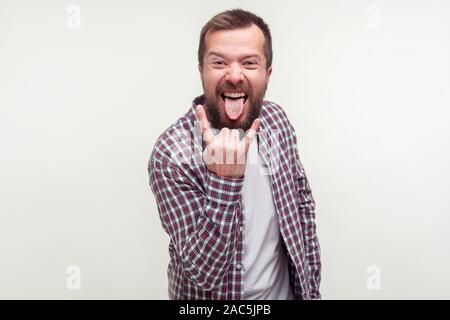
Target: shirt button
x=241 y=228
x=238 y=266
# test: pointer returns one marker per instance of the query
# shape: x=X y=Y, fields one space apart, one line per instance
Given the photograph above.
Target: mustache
x=230 y=87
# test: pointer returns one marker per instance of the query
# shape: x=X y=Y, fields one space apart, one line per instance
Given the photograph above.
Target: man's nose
x=234 y=75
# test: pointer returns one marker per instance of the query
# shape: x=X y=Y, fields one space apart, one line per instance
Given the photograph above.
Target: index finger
x=251 y=134
x=204 y=124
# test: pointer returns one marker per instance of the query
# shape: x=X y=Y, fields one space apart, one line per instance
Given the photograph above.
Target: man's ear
x=269 y=72
x=200 y=69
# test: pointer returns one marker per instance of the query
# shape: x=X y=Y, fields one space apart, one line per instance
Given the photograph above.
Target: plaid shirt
x=202 y=212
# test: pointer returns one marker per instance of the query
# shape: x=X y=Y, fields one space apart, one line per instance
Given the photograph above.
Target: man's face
x=234 y=77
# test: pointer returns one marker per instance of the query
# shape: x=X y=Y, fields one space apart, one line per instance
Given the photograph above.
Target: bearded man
x=230 y=189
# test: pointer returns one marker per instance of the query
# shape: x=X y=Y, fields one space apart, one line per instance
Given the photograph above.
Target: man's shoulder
x=174 y=137
x=275 y=116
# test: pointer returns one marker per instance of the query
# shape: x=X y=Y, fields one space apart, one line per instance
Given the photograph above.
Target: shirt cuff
x=223 y=190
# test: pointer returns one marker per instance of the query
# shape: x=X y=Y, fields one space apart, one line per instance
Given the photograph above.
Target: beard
x=219 y=119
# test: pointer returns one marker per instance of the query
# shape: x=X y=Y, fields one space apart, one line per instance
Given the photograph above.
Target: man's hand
x=225 y=154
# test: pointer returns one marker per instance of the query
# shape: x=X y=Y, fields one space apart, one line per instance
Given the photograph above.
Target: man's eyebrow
x=251 y=55
x=254 y=55
x=213 y=53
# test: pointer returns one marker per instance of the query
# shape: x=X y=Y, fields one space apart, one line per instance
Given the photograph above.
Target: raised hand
x=225 y=154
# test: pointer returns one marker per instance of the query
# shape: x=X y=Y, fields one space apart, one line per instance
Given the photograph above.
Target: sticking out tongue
x=234 y=107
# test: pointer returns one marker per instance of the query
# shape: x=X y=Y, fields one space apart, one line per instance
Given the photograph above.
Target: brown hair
x=236 y=19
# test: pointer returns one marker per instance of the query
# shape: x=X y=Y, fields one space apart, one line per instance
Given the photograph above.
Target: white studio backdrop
x=86 y=87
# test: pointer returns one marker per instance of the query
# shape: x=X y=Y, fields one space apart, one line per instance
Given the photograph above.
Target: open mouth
x=234 y=96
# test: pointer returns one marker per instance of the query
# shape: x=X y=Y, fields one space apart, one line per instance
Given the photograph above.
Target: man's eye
x=218 y=62
x=249 y=63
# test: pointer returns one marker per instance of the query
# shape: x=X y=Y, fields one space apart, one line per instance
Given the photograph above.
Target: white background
x=365 y=83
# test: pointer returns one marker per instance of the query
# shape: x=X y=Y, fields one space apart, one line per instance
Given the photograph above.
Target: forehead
x=248 y=40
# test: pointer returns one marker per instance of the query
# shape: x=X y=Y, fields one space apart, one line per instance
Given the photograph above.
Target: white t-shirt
x=266 y=274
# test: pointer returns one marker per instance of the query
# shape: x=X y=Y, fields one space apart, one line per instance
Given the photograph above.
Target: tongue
x=234 y=107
